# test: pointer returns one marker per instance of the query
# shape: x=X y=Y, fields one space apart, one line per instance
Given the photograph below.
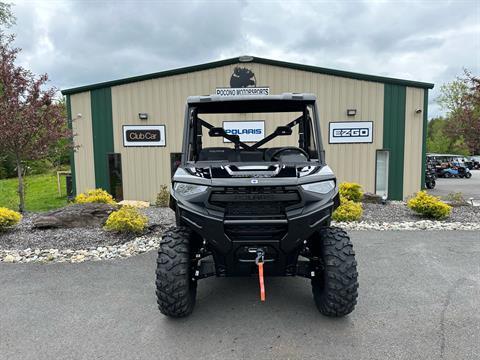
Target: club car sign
x=350 y=132
x=143 y=135
x=249 y=131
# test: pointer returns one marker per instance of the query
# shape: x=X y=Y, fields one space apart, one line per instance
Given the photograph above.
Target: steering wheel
x=279 y=151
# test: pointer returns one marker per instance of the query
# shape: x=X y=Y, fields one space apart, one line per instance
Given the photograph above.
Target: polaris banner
x=143 y=135
x=249 y=131
x=242 y=91
x=350 y=132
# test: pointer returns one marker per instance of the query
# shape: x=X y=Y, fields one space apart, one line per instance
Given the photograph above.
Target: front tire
x=176 y=291
x=335 y=291
x=468 y=175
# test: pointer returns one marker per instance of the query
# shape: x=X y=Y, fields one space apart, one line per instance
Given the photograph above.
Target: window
x=381 y=176
x=115 y=176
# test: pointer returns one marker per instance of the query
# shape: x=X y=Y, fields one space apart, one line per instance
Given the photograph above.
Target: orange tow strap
x=260 y=278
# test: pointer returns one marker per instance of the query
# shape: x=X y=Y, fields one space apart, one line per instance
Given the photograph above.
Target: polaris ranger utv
x=261 y=208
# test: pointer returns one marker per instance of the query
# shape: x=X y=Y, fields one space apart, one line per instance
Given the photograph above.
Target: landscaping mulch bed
x=396 y=211
x=25 y=236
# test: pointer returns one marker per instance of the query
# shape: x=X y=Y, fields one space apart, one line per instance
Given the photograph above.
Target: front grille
x=250 y=232
x=262 y=202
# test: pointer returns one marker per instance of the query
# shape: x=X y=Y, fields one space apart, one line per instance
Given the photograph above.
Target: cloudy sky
x=82 y=42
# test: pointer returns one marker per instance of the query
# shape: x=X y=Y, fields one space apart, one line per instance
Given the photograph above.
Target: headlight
x=189 y=189
x=322 y=187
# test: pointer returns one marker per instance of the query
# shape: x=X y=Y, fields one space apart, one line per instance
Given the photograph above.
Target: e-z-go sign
x=144 y=135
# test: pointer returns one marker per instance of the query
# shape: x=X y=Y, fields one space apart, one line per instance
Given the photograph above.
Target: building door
x=381 y=176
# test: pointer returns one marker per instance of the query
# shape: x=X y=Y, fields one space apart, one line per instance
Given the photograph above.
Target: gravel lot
x=470 y=188
x=419 y=298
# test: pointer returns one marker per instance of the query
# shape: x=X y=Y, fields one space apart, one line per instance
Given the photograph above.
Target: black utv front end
x=249 y=208
x=235 y=220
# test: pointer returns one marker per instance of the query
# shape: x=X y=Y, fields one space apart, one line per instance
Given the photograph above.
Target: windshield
x=273 y=133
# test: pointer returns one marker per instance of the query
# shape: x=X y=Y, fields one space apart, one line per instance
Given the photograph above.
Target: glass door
x=381 y=176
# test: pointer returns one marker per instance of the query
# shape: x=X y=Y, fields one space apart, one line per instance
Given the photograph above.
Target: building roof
x=249 y=59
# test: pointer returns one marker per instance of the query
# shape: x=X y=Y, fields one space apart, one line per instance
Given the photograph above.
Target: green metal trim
x=72 y=151
x=424 y=134
x=394 y=136
x=211 y=65
x=102 y=131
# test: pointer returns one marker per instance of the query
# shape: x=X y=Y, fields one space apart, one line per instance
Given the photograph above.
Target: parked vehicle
x=246 y=209
x=456 y=171
x=430 y=178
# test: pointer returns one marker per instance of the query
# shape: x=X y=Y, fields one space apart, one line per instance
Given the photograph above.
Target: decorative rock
x=76 y=215
x=9 y=259
x=372 y=198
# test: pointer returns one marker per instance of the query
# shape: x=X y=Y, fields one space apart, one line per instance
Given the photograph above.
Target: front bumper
x=230 y=239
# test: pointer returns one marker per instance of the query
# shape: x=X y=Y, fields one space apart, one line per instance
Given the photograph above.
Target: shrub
x=8 y=218
x=429 y=206
x=348 y=211
x=351 y=191
x=95 y=196
x=163 y=197
x=127 y=219
x=456 y=199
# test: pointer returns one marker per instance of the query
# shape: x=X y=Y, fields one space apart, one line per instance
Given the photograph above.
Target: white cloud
x=78 y=43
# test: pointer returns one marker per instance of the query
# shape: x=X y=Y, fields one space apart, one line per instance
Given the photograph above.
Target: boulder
x=76 y=215
x=372 y=198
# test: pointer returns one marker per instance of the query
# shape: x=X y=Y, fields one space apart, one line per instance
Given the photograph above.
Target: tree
x=31 y=120
x=6 y=17
x=461 y=98
x=441 y=142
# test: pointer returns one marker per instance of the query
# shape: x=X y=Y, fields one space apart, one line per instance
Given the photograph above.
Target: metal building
x=373 y=127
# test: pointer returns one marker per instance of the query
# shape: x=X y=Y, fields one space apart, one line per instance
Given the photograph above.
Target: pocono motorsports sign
x=249 y=131
x=349 y=132
x=242 y=91
x=143 y=135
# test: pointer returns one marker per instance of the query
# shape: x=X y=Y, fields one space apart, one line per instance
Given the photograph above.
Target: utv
x=248 y=206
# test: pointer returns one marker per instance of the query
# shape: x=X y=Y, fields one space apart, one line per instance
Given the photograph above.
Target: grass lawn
x=41 y=193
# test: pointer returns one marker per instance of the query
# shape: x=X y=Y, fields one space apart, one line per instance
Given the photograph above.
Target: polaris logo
x=248 y=131
x=351 y=132
x=243 y=131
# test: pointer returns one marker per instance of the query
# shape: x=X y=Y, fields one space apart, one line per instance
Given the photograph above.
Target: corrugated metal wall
x=146 y=169
x=82 y=129
x=412 y=172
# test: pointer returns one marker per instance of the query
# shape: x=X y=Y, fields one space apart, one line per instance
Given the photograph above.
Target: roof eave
x=237 y=60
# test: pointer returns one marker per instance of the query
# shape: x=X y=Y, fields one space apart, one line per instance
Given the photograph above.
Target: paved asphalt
x=419 y=299
x=468 y=187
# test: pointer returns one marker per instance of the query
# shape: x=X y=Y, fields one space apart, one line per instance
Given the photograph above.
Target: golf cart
x=247 y=204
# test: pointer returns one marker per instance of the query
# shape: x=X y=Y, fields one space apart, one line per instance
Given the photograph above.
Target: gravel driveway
x=419 y=299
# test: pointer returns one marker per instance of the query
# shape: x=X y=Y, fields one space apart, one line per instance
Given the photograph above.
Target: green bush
x=163 y=197
x=351 y=191
x=8 y=218
x=348 y=210
x=429 y=206
x=127 y=219
x=95 y=196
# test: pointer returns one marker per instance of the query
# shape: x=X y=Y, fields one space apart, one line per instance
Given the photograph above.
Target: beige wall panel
x=146 y=169
x=412 y=170
x=82 y=128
